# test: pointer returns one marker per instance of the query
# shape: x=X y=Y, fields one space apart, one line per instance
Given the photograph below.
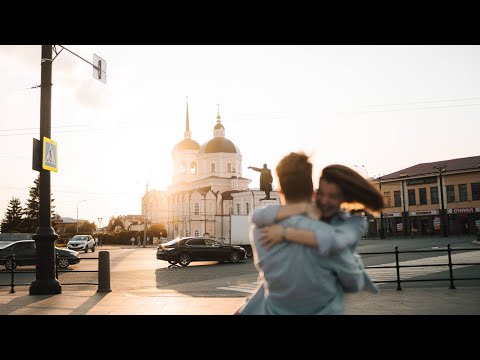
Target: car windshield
x=173 y=242
x=80 y=237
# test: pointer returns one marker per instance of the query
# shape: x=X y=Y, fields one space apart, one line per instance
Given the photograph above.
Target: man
x=266 y=179
x=311 y=279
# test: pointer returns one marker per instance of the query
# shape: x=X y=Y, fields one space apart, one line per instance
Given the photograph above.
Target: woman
x=294 y=279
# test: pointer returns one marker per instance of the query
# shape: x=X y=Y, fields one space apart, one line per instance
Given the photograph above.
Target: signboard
x=99 y=68
x=426 y=180
x=426 y=212
x=400 y=227
x=49 y=155
x=436 y=223
x=469 y=210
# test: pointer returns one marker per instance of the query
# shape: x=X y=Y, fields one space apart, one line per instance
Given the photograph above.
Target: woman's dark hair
x=294 y=173
x=353 y=186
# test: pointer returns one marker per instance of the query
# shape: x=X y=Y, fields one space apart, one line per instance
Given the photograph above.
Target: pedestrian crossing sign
x=49 y=155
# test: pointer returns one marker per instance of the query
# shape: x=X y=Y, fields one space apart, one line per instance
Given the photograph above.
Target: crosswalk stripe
x=380 y=275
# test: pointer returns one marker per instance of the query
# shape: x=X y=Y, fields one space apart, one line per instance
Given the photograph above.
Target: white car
x=81 y=242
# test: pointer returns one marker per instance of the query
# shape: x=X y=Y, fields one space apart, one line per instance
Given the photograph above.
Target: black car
x=185 y=250
x=25 y=252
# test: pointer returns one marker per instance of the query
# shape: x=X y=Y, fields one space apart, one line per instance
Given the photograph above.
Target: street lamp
x=362 y=167
x=100 y=222
x=382 y=230
x=441 y=169
x=77 y=212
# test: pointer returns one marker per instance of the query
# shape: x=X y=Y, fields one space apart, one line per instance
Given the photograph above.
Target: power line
x=421 y=102
x=36 y=128
x=421 y=108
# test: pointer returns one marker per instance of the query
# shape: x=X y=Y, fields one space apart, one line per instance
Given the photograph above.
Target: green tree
x=32 y=210
x=86 y=227
x=12 y=221
x=158 y=230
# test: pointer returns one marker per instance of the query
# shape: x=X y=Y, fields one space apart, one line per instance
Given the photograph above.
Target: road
x=135 y=271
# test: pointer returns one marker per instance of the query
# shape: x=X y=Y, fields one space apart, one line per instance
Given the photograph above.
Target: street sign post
x=49 y=155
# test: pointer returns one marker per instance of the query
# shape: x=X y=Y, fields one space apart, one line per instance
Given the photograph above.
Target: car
x=82 y=242
x=187 y=249
x=25 y=254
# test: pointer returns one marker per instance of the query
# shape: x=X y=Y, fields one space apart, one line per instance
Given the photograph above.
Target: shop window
x=462 y=192
x=450 y=194
x=397 y=199
x=411 y=197
x=386 y=197
x=475 y=191
x=434 y=195
x=197 y=209
x=422 y=194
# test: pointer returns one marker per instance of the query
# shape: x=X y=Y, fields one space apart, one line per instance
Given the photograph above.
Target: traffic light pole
x=45 y=282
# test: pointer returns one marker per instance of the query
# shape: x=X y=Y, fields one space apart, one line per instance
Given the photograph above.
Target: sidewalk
x=417 y=301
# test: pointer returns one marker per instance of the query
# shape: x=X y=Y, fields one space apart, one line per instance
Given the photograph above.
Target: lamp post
x=45 y=282
x=362 y=167
x=382 y=230
x=441 y=169
x=77 y=212
x=100 y=222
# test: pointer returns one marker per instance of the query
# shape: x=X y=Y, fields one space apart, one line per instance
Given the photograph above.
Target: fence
x=12 y=272
x=398 y=265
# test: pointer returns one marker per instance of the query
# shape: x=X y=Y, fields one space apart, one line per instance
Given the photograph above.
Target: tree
x=158 y=230
x=32 y=210
x=13 y=217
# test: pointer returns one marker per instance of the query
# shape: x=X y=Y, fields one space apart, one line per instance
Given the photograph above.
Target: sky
x=377 y=109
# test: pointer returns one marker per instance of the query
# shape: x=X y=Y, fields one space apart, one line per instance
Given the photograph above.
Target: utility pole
x=443 y=224
x=45 y=282
x=382 y=230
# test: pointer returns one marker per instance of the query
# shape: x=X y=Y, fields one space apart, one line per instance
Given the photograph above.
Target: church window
x=193 y=168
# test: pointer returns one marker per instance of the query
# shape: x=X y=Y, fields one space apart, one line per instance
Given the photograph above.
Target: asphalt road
x=135 y=271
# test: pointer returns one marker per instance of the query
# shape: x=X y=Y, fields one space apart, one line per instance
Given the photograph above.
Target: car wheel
x=173 y=262
x=184 y=259
x=234 y=257
x=10 y=264
x=63 y=263
x=93 y=249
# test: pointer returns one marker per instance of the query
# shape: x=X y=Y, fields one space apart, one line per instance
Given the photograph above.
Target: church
x=207 y=188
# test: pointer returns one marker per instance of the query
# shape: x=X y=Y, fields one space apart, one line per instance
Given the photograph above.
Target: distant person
x=139 y=241
x=133 y=240
x=306 y=265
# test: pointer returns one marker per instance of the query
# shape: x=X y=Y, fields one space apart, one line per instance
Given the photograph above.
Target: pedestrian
x=133 y=240
x=324 y=248
x=138 y=240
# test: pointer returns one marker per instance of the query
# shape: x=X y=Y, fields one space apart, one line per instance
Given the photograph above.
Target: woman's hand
x=271 y=235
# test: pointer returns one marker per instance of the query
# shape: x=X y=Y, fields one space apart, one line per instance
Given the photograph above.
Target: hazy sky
x=384 y=107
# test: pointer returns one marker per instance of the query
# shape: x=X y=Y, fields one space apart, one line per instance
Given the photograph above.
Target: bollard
x=399 y=287
x=450 y=266
x=103 y=271
x=12 y=272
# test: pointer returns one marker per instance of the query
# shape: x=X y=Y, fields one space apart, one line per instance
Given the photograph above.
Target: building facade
x=207 y=184
x=441 y=197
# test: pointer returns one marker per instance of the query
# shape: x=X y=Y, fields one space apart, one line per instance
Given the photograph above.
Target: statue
x=266 y=179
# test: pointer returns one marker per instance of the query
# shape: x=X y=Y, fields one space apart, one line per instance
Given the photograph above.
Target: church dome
x=219 y=144
x=187 y=144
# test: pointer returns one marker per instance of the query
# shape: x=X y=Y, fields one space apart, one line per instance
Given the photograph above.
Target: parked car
x=82 y=242
x=188 y=249
x=25 y=254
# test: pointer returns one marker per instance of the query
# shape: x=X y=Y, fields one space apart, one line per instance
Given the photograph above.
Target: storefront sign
x=469 y=210
x=427 y=180
x=392 y=215
x=399 y=227
x=422 y=213
x=436 y=223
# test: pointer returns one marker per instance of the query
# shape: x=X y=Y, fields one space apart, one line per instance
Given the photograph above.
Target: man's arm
x=351 y=273
x=274 y=213
x=255 y=168
x=327 y=239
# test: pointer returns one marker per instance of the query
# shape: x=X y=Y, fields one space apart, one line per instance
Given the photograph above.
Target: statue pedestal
x=265 y=202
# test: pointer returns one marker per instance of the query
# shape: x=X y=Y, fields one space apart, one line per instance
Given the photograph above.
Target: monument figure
x=266 y=179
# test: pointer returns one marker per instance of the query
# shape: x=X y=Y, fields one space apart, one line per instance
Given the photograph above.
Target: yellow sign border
x=44 y=165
